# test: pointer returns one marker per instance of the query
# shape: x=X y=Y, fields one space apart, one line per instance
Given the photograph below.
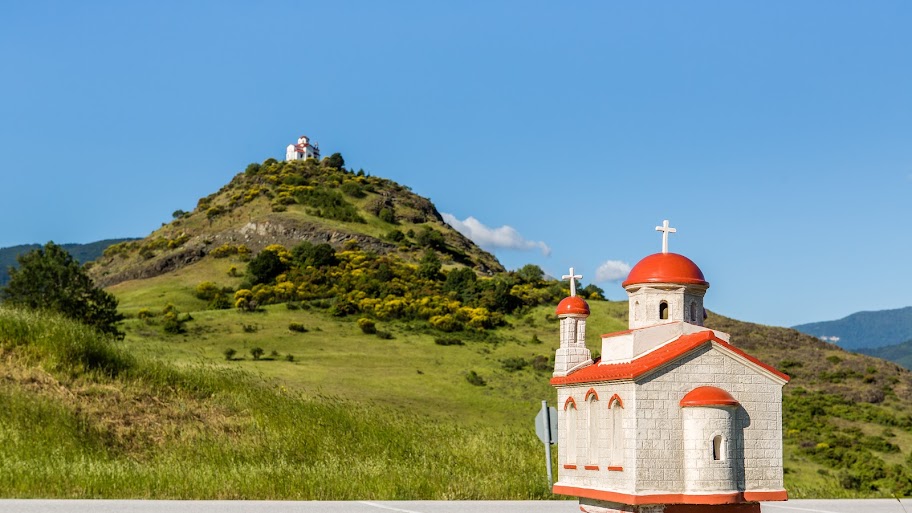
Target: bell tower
x=572 y=312
x=665 y=287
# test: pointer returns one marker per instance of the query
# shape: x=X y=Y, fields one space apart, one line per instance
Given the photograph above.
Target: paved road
x=106 y=506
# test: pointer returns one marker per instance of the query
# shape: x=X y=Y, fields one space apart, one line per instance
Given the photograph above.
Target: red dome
x=708 y=396
x=573 y=305
x=666 y=268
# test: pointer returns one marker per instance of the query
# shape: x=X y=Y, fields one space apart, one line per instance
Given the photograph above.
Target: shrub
x=386 y=215
x=353 y=189
x=395 y=236
x=473 y=378
x=229 y=354
x=446 y=323
x=541 y=363
x=144 y=314
x=224 y=251
x=297 y=328
x=448 y=342
x=220 y=302
x=385 y=335
x=535 y=339
x=256 y=352
x=207 y=290
x=514 y=364
x=367 y=326
x=289 y=357
x=249 y=328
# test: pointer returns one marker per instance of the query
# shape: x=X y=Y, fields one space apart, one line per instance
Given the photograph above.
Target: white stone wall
x=702 y=472
x=659 y=422
x=602 y=477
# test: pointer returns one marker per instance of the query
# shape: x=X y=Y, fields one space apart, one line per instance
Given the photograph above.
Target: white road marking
x=390 y=508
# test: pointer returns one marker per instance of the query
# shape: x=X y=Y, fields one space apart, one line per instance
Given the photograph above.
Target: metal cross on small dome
x=665 y=229
x=572 y=277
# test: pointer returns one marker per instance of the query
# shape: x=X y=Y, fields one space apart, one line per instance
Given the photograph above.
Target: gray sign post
x=546 y=429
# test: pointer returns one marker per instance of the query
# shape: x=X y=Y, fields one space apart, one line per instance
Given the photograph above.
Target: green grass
x=73 y=427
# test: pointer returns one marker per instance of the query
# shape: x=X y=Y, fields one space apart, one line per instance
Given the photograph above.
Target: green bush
x=448 y=341
x=514 y=364
x=473 y=378
x=385 y=335
x=367 y=326
x=256 y=352
x=297 y=327
x=541 y=363
x=229 y=353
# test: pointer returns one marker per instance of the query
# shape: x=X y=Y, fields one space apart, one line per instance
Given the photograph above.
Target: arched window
x=663 y=310
x=717 y=448
x=571 y=432
x=693 y=311
x=636 y=310
x=593 y=429
x=617 y=432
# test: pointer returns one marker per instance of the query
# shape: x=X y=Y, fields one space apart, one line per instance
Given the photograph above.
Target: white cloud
x=504 y=237
x=612 y=270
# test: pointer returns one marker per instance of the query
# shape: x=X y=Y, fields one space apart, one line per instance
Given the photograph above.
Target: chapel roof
x=708 y=396
x=655 y=359
x=573 y=305
x=666 y=268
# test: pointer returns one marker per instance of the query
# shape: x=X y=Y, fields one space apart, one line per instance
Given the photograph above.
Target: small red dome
x=573 y=305
x=708 y=396
x=666 y=268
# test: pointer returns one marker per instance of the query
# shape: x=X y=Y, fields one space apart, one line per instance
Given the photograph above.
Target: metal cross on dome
x=665 y=229
x=572 y=277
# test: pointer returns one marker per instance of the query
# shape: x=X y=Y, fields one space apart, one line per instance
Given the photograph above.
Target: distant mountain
x=81 y=252
x=865 y=329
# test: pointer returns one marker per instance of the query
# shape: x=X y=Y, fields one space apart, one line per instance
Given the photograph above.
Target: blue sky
x=774 y=136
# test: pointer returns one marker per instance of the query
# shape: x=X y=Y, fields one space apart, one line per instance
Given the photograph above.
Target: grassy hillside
x=847 y=425
x=81 y=417
x=863 y=330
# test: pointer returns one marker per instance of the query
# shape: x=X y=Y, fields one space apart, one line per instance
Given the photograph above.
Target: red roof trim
x=657 y=358
x=569 y=401
x=591 y=392
x=615 y=398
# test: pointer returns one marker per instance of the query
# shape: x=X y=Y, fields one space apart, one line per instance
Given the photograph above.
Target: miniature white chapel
x=673 y=418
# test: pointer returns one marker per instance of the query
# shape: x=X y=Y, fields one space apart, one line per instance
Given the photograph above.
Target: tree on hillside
x=266 y=266
x=49 y=278
x=335 y=160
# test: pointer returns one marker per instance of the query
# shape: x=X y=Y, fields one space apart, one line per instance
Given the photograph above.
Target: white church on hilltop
x=303 y=149
x=673 y=418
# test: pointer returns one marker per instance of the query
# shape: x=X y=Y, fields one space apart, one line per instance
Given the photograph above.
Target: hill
x=899 y=353
x=81 y=252
x=286 y=203
x=865 y=329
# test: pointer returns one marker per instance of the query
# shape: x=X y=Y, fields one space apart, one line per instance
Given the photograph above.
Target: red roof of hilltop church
x=655 y=359
x=666 y=268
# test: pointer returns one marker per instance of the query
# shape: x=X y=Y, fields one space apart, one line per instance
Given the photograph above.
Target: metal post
x=547 y=412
